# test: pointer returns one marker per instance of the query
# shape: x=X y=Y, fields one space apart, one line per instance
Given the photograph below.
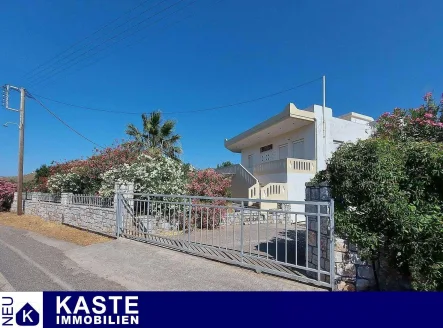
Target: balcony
x=286 y=165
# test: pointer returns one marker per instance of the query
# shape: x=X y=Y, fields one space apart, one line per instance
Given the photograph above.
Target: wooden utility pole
x=21 y=139
x=21 y=145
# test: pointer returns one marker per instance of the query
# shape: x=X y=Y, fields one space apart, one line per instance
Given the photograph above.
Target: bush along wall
x=7 y=190
x=389 y=200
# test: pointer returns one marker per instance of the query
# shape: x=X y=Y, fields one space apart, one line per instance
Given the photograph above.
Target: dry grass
x=51 y=229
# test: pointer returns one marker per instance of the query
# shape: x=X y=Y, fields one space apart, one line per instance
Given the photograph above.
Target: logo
x=21 y=309
x=27 y=316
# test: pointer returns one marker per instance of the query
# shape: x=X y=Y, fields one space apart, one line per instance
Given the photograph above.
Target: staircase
x=245 y=185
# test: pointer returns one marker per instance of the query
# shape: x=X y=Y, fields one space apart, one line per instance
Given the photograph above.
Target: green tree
x=389 y=202
x=156 y=135
x=225 y=164
x=41 y=172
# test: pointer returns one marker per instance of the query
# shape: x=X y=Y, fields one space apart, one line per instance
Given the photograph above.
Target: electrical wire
x=85 y=47
x=58 y=70
x=131 y=44
x=84 y=39
x=63 y=122
x=189 y=111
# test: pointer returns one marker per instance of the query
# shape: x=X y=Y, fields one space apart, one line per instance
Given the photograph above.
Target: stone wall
x=350 y=272
x=97 y=219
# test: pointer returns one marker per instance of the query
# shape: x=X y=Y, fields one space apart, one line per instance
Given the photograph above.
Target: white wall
x=306 y=133
x=296 y=192
x=346 y=131
x=323 y=146
x=273 y=177
x=336 y=130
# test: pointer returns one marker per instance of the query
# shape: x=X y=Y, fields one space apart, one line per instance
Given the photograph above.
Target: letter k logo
x=27 y=316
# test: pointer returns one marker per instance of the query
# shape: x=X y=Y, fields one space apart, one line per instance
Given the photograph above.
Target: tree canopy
x=156 y=135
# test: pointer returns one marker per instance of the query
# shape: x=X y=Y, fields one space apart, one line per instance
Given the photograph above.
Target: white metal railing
x=224 y=229
x=91 y=200
x=50 y=198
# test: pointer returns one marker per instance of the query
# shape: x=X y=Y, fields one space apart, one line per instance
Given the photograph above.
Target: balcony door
x=283 y=151
x=298 y=149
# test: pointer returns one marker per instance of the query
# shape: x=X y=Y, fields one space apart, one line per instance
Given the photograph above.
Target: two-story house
x=281 y=154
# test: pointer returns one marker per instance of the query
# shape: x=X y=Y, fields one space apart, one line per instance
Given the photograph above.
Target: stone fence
x=85 y=212
x=351 y=273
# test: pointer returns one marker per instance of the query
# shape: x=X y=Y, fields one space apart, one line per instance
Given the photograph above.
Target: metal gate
x=292 y=239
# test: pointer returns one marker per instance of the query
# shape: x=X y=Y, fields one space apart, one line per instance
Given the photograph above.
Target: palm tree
x=155 y=135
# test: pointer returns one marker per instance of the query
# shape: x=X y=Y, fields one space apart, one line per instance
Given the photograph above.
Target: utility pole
x=21 y=140
x=325 y=143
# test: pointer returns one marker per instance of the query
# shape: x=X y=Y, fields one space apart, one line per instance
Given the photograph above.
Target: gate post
x=189 y=222
x=332 y=243
x=117 y=213
x=242 y=217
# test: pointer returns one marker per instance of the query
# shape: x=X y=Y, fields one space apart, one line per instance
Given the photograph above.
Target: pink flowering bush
x=208 y=183
x=87 y=173
x=7 y=190
x=424 y=123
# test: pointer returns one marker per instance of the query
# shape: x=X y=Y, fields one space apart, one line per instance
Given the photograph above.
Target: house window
x=298 y=149
x=283 y=151
x=265 y=148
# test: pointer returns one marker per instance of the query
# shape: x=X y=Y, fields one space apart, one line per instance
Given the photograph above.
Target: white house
x=281 y=154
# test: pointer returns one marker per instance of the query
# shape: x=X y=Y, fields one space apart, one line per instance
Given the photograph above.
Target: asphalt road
x=32 y=262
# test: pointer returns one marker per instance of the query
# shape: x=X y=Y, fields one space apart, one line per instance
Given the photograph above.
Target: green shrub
x=389 y=199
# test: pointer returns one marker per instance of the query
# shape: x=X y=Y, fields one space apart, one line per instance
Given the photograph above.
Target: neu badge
x=11 y=308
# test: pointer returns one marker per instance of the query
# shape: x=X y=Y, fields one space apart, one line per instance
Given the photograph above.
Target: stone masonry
x=97 y=219
x=351 y=274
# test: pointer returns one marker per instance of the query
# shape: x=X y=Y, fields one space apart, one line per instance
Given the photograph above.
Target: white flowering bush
x=159 y=175
x=69 y=182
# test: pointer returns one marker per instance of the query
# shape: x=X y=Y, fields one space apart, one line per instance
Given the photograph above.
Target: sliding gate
x=282 y=239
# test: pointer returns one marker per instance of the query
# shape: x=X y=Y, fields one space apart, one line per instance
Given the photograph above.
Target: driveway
x=32 y=262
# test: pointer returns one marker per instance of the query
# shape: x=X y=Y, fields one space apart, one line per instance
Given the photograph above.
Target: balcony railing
x=286 y=165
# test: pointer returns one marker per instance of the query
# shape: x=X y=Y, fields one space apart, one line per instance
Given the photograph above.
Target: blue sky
x=376 y=55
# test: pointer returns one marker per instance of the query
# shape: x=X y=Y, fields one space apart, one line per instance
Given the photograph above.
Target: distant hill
x=26 y=178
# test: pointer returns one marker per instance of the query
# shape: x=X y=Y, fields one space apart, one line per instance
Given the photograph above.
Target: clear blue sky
x=376 y=55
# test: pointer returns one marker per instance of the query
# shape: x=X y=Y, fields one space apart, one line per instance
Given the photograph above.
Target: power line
x=63 y=122
x=138 y=41
x=189 y=111
x=58 y=70
x=84 y=39
x=36 y=77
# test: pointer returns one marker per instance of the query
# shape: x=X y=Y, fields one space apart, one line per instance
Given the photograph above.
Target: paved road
x=31 y=262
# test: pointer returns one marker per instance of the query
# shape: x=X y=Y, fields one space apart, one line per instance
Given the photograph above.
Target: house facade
x=281 y=154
